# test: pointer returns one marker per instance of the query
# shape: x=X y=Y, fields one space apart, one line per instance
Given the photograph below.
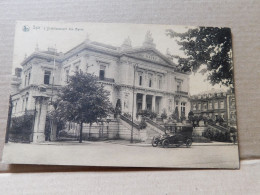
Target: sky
x=64 y=36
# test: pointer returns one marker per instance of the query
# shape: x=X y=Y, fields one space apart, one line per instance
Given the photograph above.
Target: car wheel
x=188 y=143
x=165 y=143
x=155 y=142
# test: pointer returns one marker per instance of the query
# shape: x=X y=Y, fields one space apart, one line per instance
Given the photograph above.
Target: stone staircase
x=116 y=129
x=153 y=129
x=199 y=130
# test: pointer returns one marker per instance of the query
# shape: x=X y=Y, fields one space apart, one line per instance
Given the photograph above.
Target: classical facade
x=215 y=103
x=142 y=78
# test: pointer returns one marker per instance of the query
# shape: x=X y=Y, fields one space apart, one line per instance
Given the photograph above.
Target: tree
x=190 y=116
x=83 y=100
x=118 y=108
x=175 y=115
x=164 y=115
x=206 y=46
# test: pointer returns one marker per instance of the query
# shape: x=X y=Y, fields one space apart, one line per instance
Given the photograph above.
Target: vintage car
x=175 y=134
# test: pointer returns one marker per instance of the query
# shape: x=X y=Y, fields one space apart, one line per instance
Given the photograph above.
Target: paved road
x=111 y=154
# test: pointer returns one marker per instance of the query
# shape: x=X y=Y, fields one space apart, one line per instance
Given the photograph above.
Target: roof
x=155 y=55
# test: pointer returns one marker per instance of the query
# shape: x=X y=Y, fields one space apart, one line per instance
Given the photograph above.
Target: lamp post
x=132 y=130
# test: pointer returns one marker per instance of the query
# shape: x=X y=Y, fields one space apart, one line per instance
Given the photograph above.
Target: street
x=126 y=155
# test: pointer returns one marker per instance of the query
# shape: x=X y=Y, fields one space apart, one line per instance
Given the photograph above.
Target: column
x=179 y=108
x=41 y=103
x=153 y=103
x=144 y=102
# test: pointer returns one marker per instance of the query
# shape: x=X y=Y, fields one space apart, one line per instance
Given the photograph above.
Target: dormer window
x=47 y=76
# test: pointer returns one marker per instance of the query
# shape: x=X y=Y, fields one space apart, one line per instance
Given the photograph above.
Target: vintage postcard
x=128 y=95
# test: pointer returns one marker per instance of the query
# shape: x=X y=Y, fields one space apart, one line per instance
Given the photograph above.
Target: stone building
x=215 y=103
x=158 y=85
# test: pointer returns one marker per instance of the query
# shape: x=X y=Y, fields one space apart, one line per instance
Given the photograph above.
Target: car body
x=175 y=134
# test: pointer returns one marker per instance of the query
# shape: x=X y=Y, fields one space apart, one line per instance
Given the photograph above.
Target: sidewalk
x=126 y=143
x=143 y=144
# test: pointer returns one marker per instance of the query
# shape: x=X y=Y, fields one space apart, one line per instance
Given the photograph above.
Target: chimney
x=18 y=72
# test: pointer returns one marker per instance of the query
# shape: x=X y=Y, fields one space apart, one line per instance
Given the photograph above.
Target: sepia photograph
x=122 y=95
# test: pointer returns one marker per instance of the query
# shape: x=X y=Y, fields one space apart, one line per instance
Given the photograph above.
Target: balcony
x=181 y=93
x=110 y=80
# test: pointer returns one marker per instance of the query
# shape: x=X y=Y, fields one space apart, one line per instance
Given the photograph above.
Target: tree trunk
x=89 y=130
x=80 y=132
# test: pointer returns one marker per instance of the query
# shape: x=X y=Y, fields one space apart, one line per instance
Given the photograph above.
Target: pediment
x=151 y=55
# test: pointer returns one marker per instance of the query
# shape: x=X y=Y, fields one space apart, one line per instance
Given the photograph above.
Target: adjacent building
x=215 y=103
x=158 y=85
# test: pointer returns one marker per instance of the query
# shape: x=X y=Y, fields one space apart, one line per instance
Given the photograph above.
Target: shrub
x=22 y=124
x=127 y=115
x=164 y=115
x=215 y=135
x=142 y=124
x=21 y=128
x=147 y=113
x=153 y=115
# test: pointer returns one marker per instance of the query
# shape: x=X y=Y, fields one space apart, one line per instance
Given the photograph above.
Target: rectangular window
x=176 y=104
x=159 y=81
x=223 y=115
x=25 y=81
x=179 y=85
x=23 y=105
x=29 y=78
x=233 y=102
x=210 y=105
x=183 y=104
x=47 y=76
x=205 y=106
x=26 y=103
x=140 y=79
x=216 y=105
x=222 y=104
x=194 y=107
x=102 y=74
x=150 y=76
x=199 y=106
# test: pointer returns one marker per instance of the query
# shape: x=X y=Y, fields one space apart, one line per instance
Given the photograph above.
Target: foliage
x=142 y=124
x=190 y=116
x=118 y=108
x=219 y=120
x=206 y=46
x=127 y=115
x=83 y=100
x=164 y=115
x=22 y=124
x=215 y=135
x=147 y=113
x=175 y=114
x=21 y=128
x=233 y=130
x=60 y=124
